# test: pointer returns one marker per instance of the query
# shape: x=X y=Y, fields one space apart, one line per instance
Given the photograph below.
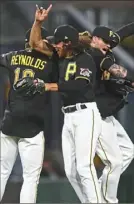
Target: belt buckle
x=78 y=106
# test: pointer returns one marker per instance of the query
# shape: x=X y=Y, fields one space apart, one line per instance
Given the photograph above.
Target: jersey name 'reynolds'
x=28 y=61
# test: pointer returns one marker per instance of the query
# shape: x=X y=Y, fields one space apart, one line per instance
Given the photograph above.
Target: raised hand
x=41 y=14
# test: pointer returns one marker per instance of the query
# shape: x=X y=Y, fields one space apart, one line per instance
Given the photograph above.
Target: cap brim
x=51 y=39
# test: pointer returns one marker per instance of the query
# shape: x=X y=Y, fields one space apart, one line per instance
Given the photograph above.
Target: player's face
x=101 y=44
x=60 y=48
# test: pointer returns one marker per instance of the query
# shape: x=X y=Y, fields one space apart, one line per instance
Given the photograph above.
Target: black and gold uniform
x=107 y=101
x=111 y=93
x=24 y=116
x=110 y=96
x=77 y=79
x=82 y=121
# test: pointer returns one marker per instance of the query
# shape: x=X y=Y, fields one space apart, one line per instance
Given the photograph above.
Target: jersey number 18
x=25 y=73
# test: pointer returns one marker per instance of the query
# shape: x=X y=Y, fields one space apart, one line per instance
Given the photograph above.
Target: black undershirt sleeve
x=126 y=31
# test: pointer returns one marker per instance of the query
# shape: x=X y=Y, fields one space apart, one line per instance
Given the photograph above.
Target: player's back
x=20 y=109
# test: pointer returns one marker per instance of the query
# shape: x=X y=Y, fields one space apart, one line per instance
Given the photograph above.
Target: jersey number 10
x=23 y=73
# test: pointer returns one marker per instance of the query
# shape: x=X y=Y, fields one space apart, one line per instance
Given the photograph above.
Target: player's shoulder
x=24 y=51
x=94 y=52
x=15 y=52
x=7 y=54
x=82 y=56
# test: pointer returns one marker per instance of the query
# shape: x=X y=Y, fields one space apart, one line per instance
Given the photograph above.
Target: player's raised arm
x=36 y=40
x=124 y=32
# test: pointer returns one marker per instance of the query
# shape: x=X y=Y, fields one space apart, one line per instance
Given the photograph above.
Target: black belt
x=73 y=108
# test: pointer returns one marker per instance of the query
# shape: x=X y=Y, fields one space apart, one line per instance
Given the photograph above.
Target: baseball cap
x=50 y=39
x=44 y=34
x=65 y=33
x=107 y=35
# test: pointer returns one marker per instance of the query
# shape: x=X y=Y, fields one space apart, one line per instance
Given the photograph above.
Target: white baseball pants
x=80 y=133
x=109 y=152
x=31 y=153
x=125 y=144
x=116 y=151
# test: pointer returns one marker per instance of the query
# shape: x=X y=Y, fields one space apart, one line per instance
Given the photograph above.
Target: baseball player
x=111 y=98
x=74 y=180
x=82 y=121
x=23 y=123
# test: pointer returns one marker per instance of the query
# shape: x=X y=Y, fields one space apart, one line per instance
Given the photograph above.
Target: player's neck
x=92 y=44
x=69 y=54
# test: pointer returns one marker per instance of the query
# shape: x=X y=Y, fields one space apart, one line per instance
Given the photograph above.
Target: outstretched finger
x=37 y=7
x=49 y=8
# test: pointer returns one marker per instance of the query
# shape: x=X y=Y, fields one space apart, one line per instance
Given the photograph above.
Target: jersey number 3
x=25 y=73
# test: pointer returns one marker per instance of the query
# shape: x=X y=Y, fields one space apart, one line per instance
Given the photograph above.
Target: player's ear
x=68 y=44
x=94 y=38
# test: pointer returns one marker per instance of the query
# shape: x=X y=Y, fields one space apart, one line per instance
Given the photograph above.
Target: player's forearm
x=121 y=72
x=35 y=35
x=36 y=41
x=51 y=87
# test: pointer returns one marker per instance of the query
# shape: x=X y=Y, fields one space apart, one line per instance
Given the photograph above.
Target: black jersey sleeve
x=107 y=61
x=125 y=32
x=85 y=68
x=109 y=64
x=5 y=60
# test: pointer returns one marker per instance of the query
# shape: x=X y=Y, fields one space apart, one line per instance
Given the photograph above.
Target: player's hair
x=85 y=39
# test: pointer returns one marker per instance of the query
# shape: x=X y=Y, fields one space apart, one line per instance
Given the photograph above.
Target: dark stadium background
x=15 y=18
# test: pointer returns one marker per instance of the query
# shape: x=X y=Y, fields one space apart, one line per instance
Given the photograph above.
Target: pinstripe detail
x=104 y=194
x=91 y=155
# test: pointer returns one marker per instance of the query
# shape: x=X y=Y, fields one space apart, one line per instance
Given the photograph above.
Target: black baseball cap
x=65 y=33
x=44 y=34
x=107 y=35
